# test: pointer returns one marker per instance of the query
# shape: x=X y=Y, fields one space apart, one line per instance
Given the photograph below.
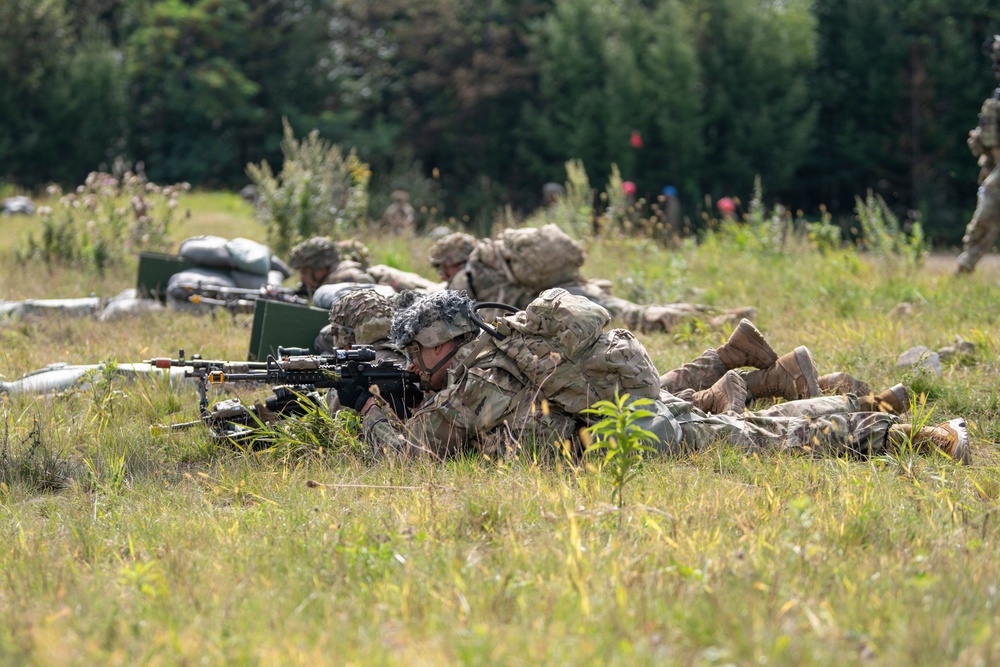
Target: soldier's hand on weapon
x=353 y=393
x=401 y=395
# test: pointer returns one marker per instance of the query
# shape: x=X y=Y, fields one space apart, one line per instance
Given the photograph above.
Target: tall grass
x=124 y=545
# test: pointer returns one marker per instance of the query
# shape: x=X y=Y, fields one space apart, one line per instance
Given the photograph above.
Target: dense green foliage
x=822 y=99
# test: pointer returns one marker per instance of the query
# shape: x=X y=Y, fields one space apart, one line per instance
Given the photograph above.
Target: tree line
x=474 y=104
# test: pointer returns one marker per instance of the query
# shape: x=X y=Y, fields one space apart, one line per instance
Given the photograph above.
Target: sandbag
x=213 y=277
x=206 y=251
x=249 y=256
x=245 y=280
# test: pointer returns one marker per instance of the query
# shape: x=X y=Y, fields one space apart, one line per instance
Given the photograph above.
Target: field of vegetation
x=126 y=544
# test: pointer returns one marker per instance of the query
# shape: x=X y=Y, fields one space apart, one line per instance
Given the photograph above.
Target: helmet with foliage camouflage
x=452 y=249
x=354 y=251
x=433 y=320
x=361 y=317
x=314 y=253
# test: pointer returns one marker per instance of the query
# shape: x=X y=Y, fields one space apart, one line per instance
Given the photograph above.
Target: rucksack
x=519 y=263
x=558 y=342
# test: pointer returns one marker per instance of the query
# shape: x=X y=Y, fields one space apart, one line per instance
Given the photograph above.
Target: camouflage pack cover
x=559 y=343
x=491 y=279
x=519 y=263
x=361 y=317
x=455 y=248
x=541 y=257
x=314 y=253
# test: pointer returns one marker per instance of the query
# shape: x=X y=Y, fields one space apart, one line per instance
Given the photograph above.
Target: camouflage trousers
x=984 y=227
x=799 y=426
x=700 y=373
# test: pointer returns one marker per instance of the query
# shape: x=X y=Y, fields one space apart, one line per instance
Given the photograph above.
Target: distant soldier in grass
x=703 y=380
x=520 y=263
x=322 y=261
x=491 y=395
x=399 y=217
x=984 y=142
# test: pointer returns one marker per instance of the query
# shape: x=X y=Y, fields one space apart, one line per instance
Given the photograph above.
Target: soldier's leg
x=858 y=433
x=984 y=226
x=746 y=346
x=895 y=400
x=667 y=318
x=700 y=373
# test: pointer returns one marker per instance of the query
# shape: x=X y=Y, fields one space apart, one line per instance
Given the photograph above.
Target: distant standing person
x=552 y=193
x=984 y=142
x=672 y=211
x=399 y=217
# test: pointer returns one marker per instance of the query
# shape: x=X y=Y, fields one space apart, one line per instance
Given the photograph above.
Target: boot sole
x=960 y=452
x=809 y=372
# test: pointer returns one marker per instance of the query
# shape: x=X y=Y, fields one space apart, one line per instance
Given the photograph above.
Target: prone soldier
x=322 y=261
x=455 y=258
x=361 y=317
x=486 y=399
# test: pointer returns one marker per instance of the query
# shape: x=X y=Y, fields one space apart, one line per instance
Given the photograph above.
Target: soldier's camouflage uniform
x=635 y=317
x=984 y=142
x=399 y=217
x=489 y=407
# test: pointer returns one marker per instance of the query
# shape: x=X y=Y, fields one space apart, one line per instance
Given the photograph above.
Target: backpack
x=520 y=263
x=558 y=342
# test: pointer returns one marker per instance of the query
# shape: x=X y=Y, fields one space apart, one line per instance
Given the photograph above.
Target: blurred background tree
x=473 y=104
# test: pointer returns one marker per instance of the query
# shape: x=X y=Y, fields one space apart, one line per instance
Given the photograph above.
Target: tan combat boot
x=746 y=347
x=792 y=377
x=950 y=437
x=895 y=400
x=729 y=394
x=843 y=383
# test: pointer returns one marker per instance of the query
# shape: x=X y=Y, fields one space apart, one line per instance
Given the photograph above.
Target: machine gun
x=293 y=377
x=233 y=421
x=235 y=299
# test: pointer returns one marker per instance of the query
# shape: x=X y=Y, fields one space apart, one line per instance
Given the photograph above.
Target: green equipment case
x=283 y=324
x=155 y=270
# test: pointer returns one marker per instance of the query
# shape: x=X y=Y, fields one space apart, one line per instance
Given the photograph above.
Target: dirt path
x=947 y=262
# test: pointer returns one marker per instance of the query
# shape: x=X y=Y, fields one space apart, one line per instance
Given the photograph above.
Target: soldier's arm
x=449 y=420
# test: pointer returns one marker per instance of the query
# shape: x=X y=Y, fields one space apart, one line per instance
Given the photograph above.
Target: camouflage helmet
x=433 y=320
x=354 y=251
x=360 y=317
x=452 y=249
x=315 y=253
x=400 y=196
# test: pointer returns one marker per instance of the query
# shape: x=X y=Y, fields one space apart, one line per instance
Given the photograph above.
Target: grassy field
x=129 y=545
